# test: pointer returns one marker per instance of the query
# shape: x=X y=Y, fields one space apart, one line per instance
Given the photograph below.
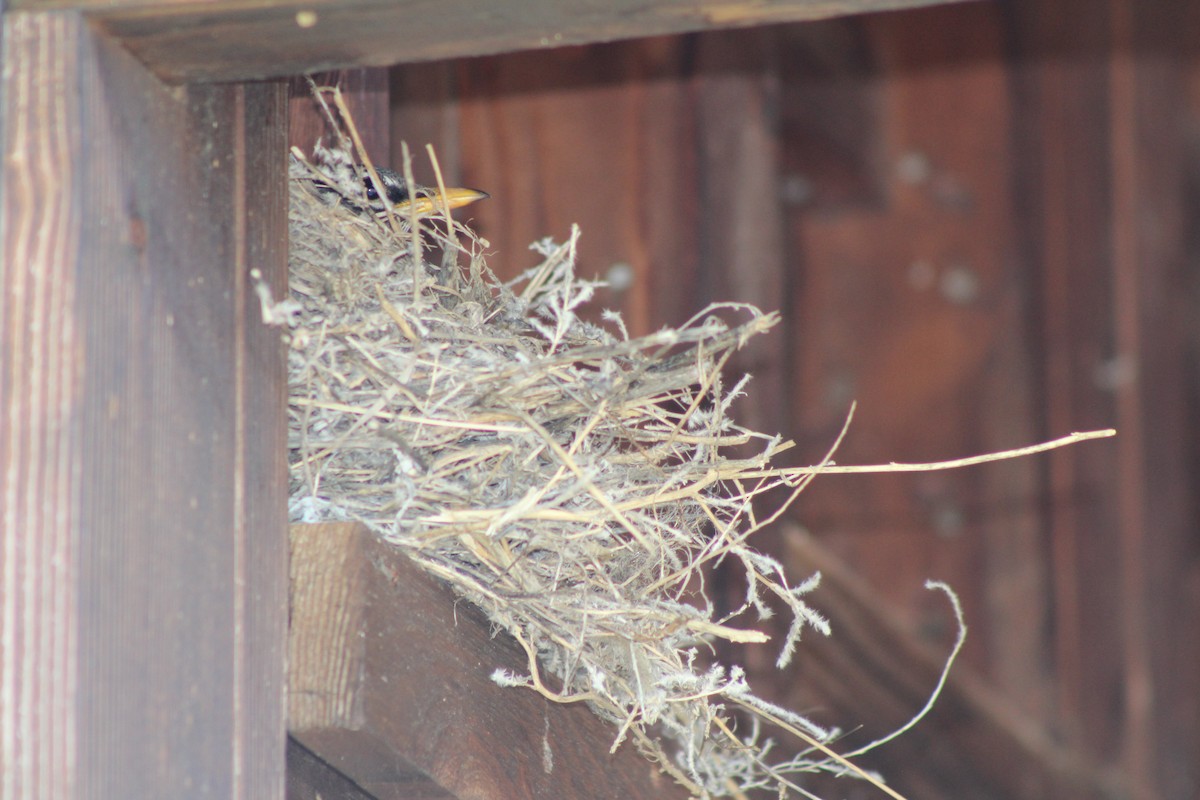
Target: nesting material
x=573 y=482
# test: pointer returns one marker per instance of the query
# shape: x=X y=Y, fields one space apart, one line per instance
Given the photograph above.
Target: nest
x=573 y=482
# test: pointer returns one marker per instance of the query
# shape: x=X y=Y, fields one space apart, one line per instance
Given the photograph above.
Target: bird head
x=422 y=199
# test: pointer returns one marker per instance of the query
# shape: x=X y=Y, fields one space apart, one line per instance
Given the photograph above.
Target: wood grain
x=188 y=40
x=141 y=462
x=1108 y=126
x=389 y=684
x=39 y=513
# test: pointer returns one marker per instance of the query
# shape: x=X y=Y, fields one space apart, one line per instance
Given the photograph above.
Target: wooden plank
x=908 y=301
x=192 y=40
x=1065 y=175
x=1107 y=143
x=389 y=684
x=260 y=541
x=1160 y=614
x=829 y=116
x=740 y=239
x=141 y=463
x=424 y=110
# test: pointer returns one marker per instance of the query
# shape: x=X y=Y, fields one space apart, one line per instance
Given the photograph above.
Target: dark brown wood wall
x=977 y=221
x=143 y=605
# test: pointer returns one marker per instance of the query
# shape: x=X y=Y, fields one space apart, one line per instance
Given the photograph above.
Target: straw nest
x=572 y=481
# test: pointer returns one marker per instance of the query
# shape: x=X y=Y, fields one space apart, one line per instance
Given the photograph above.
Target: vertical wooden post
x=740 y=247
x=1153 y=320
x=1105 y=110
x=142 y=472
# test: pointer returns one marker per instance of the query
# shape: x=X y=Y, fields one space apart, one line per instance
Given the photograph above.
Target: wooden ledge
x=225 y=40
x=389 y=684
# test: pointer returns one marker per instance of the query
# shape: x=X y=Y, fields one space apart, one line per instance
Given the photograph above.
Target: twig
x=932 y=466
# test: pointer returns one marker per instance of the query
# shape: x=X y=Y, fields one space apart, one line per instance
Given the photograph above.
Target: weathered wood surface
x=189 y=40
x=142 y=467
x=390 y=684
x=1110 y=143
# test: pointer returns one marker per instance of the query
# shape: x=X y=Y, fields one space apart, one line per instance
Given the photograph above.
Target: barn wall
x=976 y=221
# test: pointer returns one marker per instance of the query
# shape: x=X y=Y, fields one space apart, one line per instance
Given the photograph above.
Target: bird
x=422 y=199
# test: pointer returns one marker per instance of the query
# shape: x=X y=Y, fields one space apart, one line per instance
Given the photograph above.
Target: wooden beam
x=390 y=684
x=142 y=437
x=190 y=40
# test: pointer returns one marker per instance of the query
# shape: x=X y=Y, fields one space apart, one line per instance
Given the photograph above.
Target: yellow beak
x=431 y=200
